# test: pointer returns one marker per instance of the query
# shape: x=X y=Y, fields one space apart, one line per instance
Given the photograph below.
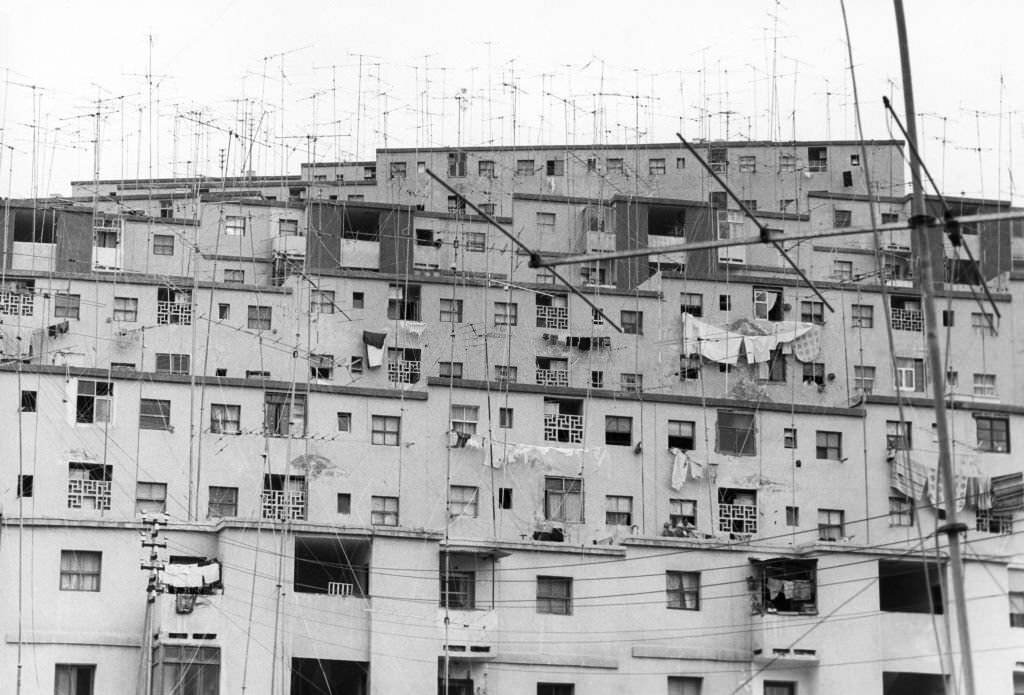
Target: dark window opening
x=34 y=227
x=736 y=433
x=25 y=484
x=404 y=302
x=903 y=683
x=786 y=586
x=906 y=587
x=505 y=497
x=360 y=225
x=312 y=676
x=664 y=220
x=29 y=400
x=329 y=565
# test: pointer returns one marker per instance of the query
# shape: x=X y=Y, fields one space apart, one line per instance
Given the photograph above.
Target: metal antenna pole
x=920 y=224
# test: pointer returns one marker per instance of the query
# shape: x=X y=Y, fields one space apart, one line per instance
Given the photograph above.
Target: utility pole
x=150 y=539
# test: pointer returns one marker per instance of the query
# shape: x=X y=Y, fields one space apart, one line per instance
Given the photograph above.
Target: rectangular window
x=993 y=433
x=506 y=314
x=680 y=162
x=724 y=302
x=403 y=302
x=555 y=167
x=985 y=385
x=385 y=430
x=185 y=669
x=126 y=309
x=812 y=312
x=682 y=590
x=768 y=305
x=287 y=227
x=786 y=203
x=613 y=165
x=910 y=587
x=631 y=383
x=449 y=370
x=74 y=679
x=344 y=421
x=554 y=596
x=787 y=162
x=983 y=323
x=344 y=503
x=842 y=270
x=597 y=379
x=465 y=418
x=485 y=168
x=814 y=373
x=80 y=570
x=864 y=378
x=684 y=685
x=451 y=311
x=173 y=363
x=618 y=510
x=779 y=688
x=94 y=401
x=150 y=498
x=817 y=159
x=792 y=516
x=369 y=174
x=618 y=430
x=718 y=158
x=736 y=433
x=89 y=485
x=321 y=302
x=25 y=485
x=456 y=164
x=556 y=689
x=505 y=417
x=29 y=401
x=691 y=303
x=524 y=167
x=563 y=499
x=681 y=435
x=357 y=301
x=234 y=275
x=862 y=316
x=223 y=312
x=545 y=222
x=223 y=502
x=321 y=366
x=1016 y=596
x=163 y=245
x=830 y=524
x=506 y=373
x=477 y=241
x=909 y=374
x=259 y=317
x=632 y=322
x=384 y=511
x=225 y=418
x=458 y=592
x=463 y=500
x=399 y=170
x=748 y=164
x=66 y=305
x=901 y=511
x=284 y=414
x=234 y=225
x=689 y=367
x=789 y=437
x=505 y=497
x=841 y=218
x=898 y=435
x=656 y=166
x=829 y=445
x=154 y=414
x=682 y=514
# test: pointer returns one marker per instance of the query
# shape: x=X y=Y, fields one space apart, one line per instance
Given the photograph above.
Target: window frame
x=225 y=418
x=990 y=442
x=227 y=500
x=828 y=445
x=558 y=490
x=679 y=596
x=384 y=510
x=155 y=414
x=618 y=510
x=76 y=578
x=554 y=595
x=385 y=430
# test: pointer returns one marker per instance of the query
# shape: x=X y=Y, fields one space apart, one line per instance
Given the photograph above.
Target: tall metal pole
x=923 y=239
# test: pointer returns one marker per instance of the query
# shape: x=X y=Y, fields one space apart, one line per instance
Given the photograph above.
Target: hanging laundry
x=807 y=347
x=415 y=328
x=374 y=348
x=678 y=468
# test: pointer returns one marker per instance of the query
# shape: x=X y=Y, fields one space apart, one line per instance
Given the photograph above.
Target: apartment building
x=390 y=455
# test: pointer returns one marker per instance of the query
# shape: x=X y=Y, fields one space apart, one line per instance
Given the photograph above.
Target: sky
x=230 y=86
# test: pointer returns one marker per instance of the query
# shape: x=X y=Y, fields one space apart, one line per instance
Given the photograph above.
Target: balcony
x=26 y=255
x=107 y=258
x=289 y=245
x=600 y=242
x=654 y=241
x=88 y=494
x=907 y=320
x=284 y=505
x=783 y=639
x=737 y=518
x=173 y=312
x=553 y=317
x=559 y=427
x=189 y=614
x=404 y=371
x=553 y=377
x=471 y=634
x=14 y=303
x=356 y=253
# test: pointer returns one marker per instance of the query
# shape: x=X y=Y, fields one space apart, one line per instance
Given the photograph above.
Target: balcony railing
x=553 y=317
x=563 y=428
x=173 y=312
x=817 y=165
x=88 y=494
x=907 y=320
x=284 y=505
x=16 y=303
x=404 y=371
x=552 y=377
x=737 y=518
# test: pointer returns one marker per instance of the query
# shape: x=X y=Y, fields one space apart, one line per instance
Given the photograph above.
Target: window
x=724 y=302
x=321 y=366
x=126 y=309
x=789 y=437
x=684 y=685
x=786 y=586
x=841 y=218
x=287 y=227
x=595 y=318
x=689 y=367
x=66 y=305
x=817 y=159
x=792 y=516
x=385 y=430
x=680 y=162
x=830 y=524
x=613 y=165
x=768 y=304
x=774 y=370
x=29 y=401
x=787 y=162
x=464 y=418
x=618 y=430
x=506 y=314
x=618 y=510
x=554 y=596
x=154 y=414
x=901 y=511
x=681 y=435
x=344 y=421
x=910 y=587
x=909 y=374
x=814 y=373
x=384 y=511
x=369 y=174
x=173 y=363
x=234 y=275
x=656 y=167
x=748 y=164
x=631 y=383
x=399 y=170
x=355 y=364
x=80 y=570
x=682 y=590
x=163 y=245
x=563 y=499
x=779 y=688
x=1016 y=596
x=718 y=200
x=993 y=433
x=785 y=204
x=223 y=312
x=555 y=167
x=256 y=374
x=718 y=158
x=94 y=401
x=485 y=168
x=864 y=378
x=450 y=370
x=736 y=433
x=234 y=225
x=321 y=302
x=682 y=513
x=985 y=385
x=74 y=679
x=812 y=312
x=463 y=500
x=505 y=417
x=983 y=323
x=284 y=414
x=506 y=373
x=545 y=222
x=862 y=315
x=357 y=301
x=344 y=503
x=829 y=445
x=225 y=418
x=150 y=498
x=691 y=303
x=842 y=270
x=89 y=485
x=259 y=317
x=458 y=591
x=451 y=311
x=632 y=322
x=223 y=502
x=403 y=302
x=185 y=669
x=524 y=167
x=505 y=497
x=597 y=379
x=25 y=485
x=457 y=164
x=556 y=689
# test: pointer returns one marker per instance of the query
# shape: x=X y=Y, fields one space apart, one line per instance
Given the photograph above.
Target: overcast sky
x=352 y=77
